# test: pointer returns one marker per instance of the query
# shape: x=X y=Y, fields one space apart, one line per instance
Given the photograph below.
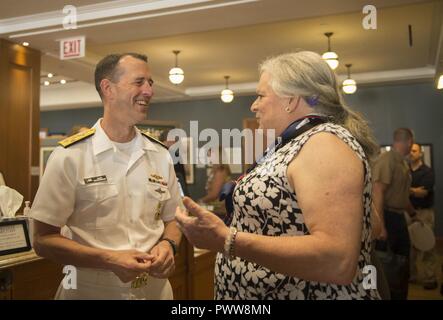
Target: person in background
x=392 y=181
x=179 y=167
x=301 y=226
x=115 y=189
x=422 y=199
x=218 y=174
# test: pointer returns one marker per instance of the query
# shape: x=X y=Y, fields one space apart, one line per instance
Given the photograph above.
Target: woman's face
x=268 y=107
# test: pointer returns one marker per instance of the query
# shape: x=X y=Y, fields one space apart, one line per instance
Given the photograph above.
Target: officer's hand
x=202 y=228
x=163 y=263
x=128 y=264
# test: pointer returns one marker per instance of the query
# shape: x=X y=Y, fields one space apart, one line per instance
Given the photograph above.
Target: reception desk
x=26 y=276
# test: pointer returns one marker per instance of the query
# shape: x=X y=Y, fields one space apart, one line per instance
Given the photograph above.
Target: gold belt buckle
x=140 y=281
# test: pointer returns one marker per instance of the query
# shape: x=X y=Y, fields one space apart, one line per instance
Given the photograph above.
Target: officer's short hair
x=403 y=134
x=107 y=67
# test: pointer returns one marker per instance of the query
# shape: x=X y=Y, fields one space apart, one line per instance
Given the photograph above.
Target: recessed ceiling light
x=46 y=83
x=62 y=81
x=50 y=75
x=25 y=44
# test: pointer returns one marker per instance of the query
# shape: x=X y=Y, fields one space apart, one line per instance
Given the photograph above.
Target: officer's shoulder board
x=144 y=133
x=69 y=141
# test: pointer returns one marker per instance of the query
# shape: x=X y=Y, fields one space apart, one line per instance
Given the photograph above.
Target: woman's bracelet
x=229 y=247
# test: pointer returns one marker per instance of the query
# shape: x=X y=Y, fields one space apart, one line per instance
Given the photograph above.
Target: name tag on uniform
x=95 y=179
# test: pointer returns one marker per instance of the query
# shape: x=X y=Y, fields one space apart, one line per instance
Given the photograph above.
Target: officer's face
x=133 y=90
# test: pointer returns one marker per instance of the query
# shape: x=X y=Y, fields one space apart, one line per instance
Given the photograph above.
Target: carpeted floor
x=416 y=292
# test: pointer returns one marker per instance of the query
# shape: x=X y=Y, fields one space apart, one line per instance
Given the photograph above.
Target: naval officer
x=115 y=189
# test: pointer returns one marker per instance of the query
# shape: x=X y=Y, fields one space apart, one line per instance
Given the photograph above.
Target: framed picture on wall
x=426 y=149
x=45 y=152
x=43 y=133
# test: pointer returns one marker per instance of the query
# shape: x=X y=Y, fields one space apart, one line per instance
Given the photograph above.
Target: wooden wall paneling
x=20 y=110
x=180 y=280
x=4 y=111
x=38 y=280
x=203 y=276
x=19 y=82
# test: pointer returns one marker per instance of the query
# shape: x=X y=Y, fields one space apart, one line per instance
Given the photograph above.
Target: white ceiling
x=220 y=38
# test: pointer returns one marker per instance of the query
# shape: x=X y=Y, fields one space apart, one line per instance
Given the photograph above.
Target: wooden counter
x=12 y=260
x=193 y=278
x=28 y=276
x=203 y=275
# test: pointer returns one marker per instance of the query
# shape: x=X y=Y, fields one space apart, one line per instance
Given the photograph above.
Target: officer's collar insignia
x=147 y=135
x=76 y=138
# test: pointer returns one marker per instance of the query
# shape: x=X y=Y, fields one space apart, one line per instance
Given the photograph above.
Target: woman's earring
x=288 y=110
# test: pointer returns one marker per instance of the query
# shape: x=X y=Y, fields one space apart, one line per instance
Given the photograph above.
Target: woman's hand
x=201 y=227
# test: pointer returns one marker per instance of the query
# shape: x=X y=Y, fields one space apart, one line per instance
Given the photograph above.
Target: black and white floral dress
x=265 y=204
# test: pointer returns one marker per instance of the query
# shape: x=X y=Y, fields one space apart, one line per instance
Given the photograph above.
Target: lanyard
x=295 y=129
x=292 y=131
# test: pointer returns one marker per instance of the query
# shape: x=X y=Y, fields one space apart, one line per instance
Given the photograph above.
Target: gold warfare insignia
x=76 y=138
x=159 y=211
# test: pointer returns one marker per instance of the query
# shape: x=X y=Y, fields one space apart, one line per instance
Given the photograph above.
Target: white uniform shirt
x=123 y=207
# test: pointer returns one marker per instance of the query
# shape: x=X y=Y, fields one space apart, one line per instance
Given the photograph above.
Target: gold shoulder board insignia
x=147 y=135
x=69 y=141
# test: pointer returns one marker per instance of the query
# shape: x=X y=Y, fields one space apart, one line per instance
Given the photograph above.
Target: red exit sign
x=72 y=48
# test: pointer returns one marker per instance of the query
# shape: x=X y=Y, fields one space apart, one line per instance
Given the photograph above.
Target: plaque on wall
x=14 y=237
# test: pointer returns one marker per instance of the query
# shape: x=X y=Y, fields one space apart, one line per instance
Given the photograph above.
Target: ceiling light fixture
x=440 y=82
x=176 y=74
x=227 y=95
x=46 y=83
x=62 y=81
x=25 y=44
x=50 y=75
x=349 y=85
x=330 y=56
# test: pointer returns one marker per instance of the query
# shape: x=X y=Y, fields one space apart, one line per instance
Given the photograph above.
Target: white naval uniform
x=118 y=211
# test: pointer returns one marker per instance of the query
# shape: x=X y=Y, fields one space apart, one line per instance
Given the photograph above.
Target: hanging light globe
x=349 y=86
x=227 y=95
x=330 y=56
x=331 y=59
x=176 y=75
